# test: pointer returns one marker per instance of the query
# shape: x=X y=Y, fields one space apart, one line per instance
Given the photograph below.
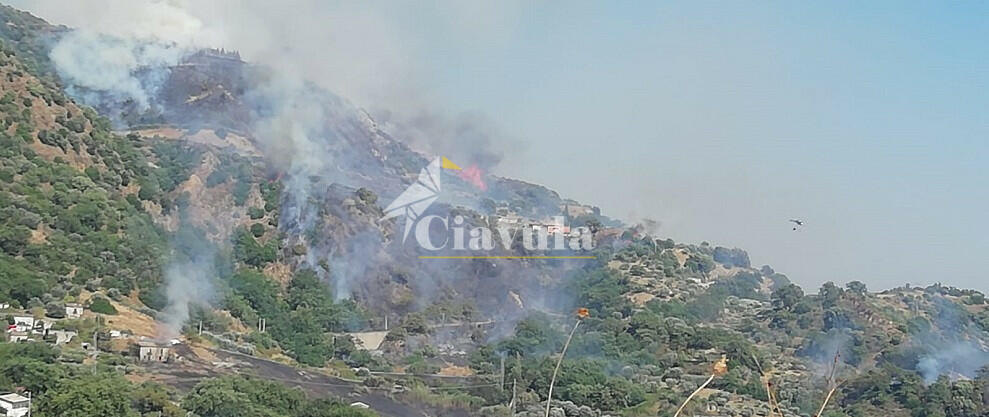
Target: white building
x=509 y=221
x=14 y=405
x=73 y=311
x=148 y=351
x=61 y=337
x=23 y=323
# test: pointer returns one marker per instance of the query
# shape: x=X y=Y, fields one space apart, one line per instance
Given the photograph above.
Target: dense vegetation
x=299 y=319
x=61 y=390
x=621 y=343
x=65 y=228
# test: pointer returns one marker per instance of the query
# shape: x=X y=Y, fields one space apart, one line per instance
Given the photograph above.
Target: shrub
x=257 y=229
x=255 y=213
x=102 y=305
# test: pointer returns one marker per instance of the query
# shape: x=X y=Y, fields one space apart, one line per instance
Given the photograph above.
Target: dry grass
x=453 y=370
x=203 y=353
x=129 y=319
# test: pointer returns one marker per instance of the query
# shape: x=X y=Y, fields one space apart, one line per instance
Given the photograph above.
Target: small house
x=60 y=337
x=14 y=405
x=23 y=323
x=73 y=311
x=556 y=225
x=150 y=351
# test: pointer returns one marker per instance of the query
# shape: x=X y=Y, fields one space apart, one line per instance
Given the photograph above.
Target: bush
x=55 y=310
x=257 y=229
x=255 y=213
x=102 y=305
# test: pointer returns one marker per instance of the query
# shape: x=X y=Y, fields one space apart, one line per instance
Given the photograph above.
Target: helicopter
x=797 y=223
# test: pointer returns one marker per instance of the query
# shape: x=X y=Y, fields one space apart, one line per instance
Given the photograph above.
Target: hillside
x=236 y=219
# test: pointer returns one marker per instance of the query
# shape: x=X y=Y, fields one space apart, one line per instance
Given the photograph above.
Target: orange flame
x=474 y=176
x=583 y=313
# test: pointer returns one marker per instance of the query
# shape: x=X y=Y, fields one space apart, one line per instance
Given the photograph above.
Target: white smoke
x=189 y=279
x=373 y=54
x=961 y=358
x=112 y=40
x=187 y=284
x=378 y=55
x=97 y=67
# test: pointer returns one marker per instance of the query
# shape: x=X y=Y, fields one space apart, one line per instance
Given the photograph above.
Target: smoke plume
x=101 y=69
x=951 y=345
x=123 y=49
x=189 y=279
x=961 y=358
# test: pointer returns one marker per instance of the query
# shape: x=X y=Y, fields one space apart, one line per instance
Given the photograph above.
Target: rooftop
x=151 y=343
x=13 y=398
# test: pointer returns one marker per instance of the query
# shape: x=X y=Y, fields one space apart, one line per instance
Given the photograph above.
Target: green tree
x=786 y=297
x=830 y=295
x=102 y=305
x=857 y=288
x=153 y=399
x=238 y=396
x=105 y=395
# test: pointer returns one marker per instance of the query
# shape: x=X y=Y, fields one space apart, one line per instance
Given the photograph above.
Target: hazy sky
x=721 y=120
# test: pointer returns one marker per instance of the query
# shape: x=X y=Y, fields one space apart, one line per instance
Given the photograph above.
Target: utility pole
x=511 y=404
x=386 y=322
x=200 y=327
x=29 y=404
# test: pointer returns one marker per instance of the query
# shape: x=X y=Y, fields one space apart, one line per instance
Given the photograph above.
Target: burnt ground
x=184 y=374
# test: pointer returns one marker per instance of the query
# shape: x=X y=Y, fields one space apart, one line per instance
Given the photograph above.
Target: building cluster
x=27 y=328
x=510 y=220
x=506 y=217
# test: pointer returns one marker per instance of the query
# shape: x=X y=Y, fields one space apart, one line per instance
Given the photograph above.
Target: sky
x=719 y=120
